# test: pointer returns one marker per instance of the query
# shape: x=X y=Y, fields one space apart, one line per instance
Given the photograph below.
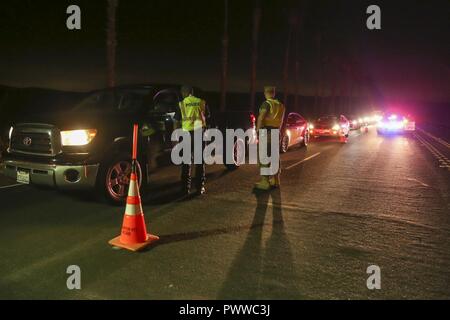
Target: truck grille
x=37 y=140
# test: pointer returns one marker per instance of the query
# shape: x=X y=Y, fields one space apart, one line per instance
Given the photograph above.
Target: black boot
x=186 y=179
x=201 y=179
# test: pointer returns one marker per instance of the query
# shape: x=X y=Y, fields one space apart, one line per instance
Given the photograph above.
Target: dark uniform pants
x=200 y=172
x=269 y=150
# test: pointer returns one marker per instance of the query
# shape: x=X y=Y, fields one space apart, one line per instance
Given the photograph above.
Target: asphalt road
x=376 y=200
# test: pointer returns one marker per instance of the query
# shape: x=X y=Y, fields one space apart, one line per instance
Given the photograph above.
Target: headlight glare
x=77 y=137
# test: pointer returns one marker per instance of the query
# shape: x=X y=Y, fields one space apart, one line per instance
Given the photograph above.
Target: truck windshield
x=114 y=100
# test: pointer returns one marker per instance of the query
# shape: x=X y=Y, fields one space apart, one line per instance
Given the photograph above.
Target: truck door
x=165 y=104
x=159 y=124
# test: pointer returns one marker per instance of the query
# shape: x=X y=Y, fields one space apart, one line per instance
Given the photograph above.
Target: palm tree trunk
x=296 y=68
x=332 y=97
x=286 y=65
x=319 y=78
x=224 y=76
x=254 y=54
x=111 y=42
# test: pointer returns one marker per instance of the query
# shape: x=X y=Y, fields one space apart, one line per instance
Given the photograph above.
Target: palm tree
x=301 y=13
x=254 y=54
x=292 y=24
x=319 y=78
x=296 y=67
x=224 y=76
x=111 y=41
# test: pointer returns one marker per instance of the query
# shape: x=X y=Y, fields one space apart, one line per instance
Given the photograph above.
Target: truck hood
x=70 y=120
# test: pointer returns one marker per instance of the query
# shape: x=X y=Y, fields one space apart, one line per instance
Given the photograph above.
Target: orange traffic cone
x=134 y=234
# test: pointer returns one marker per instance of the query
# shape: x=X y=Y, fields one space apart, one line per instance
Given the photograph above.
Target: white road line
x=420 y=182
x=434 y=151
x=306 y=159
x=437 y=139
x=13 y=185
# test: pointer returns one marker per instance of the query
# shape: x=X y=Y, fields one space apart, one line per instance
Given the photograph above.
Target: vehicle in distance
x=331 y=126
x=355 y=122
x=89 y=145
x=295 y=132
x=393 y=123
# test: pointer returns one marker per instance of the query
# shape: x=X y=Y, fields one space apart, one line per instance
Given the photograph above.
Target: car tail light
x=252 y=119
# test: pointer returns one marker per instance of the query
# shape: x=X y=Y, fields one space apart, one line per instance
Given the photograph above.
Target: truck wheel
x=114 y=179
x=239 y=144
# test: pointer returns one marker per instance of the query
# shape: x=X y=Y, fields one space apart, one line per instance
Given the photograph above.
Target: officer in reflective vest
x=192 y=115
x=271 y=115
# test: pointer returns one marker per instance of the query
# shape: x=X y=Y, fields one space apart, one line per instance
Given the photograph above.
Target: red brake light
x=252 y=118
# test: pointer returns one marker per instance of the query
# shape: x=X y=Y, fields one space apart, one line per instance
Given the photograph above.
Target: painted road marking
x=306 y=159
x=13 y=185
x=441 y=141
x=442 y=160
x=420 y=182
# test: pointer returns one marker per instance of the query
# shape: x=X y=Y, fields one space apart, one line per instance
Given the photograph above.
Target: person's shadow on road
x=264 y=267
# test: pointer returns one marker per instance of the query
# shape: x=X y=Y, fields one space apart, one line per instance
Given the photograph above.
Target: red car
x=295 y=132
x=331 y=126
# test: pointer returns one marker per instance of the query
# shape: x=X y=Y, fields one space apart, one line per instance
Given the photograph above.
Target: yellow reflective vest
x=192 y=113
x=274 y=116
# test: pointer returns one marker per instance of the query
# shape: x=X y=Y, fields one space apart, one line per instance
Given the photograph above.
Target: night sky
x=180 y=42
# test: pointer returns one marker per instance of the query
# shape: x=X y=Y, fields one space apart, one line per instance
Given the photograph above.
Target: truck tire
x=113 y=179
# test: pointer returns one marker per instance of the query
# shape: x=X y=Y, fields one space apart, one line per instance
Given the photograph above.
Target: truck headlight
x=77 y=137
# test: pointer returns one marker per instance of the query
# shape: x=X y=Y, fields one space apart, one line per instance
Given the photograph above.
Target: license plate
x=23 y=176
